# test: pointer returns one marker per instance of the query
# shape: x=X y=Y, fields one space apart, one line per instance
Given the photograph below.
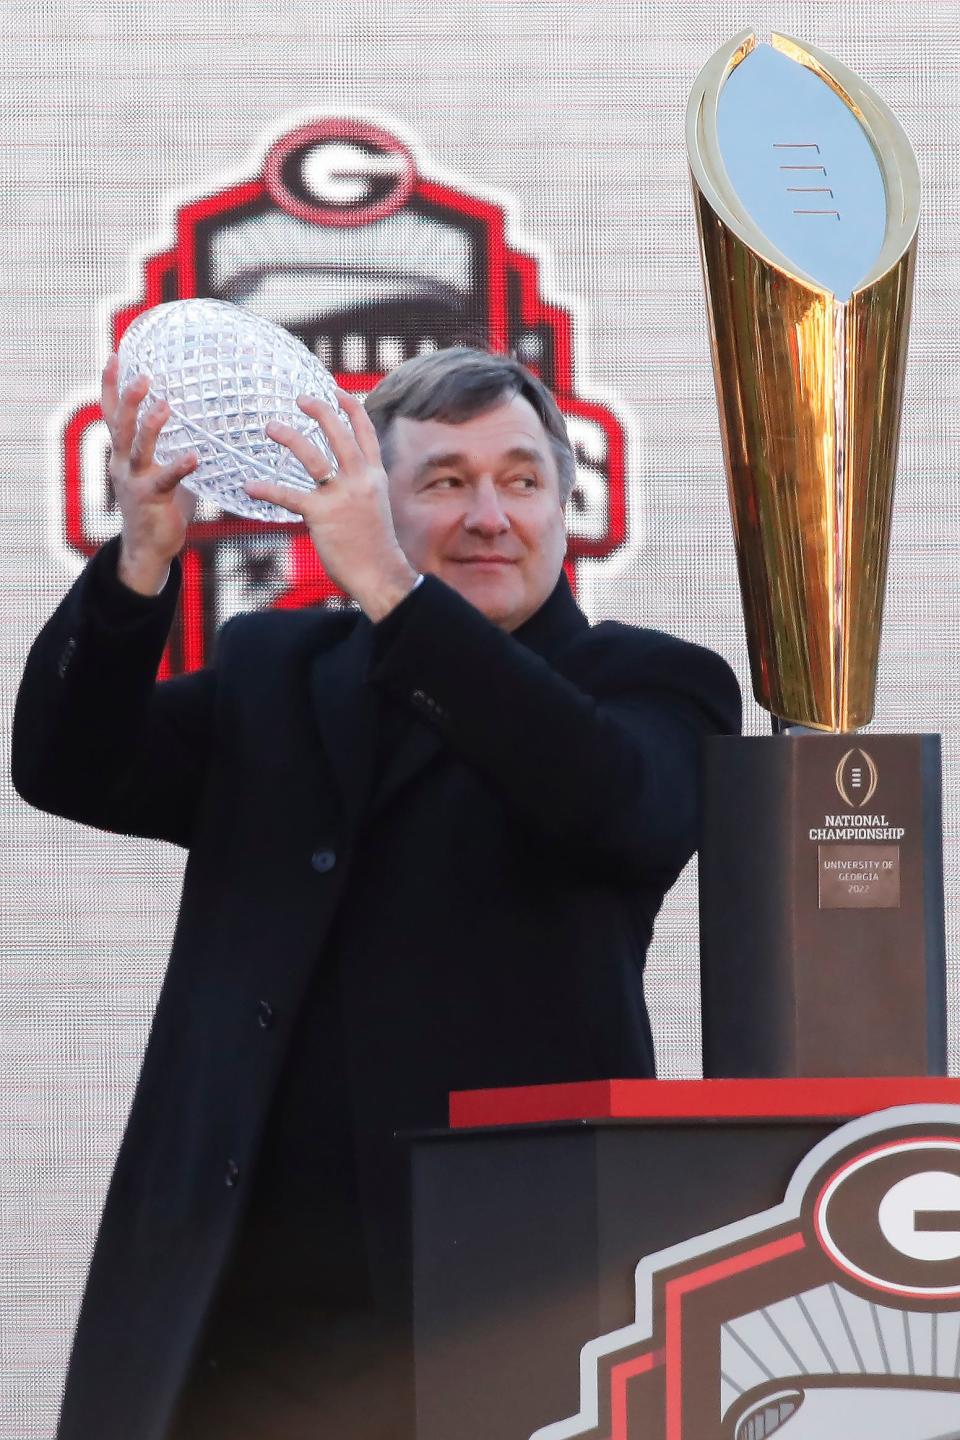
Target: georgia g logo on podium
x=833 y=1316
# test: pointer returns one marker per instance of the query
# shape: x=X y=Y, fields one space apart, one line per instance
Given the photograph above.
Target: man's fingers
x=108 y=391
x=311 y=457
x=145 y=440
x=339 y=435
x=125 y=414
x=362 y=426
x=283 y=495
x=170 y=476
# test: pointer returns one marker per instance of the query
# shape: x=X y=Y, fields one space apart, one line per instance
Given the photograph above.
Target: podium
x=555 y=1226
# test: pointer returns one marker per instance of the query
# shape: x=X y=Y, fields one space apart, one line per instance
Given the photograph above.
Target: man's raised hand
x=348 y=515
x=156 y=509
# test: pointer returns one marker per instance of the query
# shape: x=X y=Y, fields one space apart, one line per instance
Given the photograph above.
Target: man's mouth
x=483 y=560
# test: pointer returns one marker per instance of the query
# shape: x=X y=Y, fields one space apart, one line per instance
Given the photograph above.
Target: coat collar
x=553 y=625
x=348 y=709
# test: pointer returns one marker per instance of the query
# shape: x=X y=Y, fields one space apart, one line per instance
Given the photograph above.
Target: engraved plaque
x=859 y=877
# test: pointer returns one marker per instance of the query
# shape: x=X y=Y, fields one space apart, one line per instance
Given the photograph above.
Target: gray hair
x=460 y=383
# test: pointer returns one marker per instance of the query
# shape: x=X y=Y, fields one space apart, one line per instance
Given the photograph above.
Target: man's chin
x=496 y=593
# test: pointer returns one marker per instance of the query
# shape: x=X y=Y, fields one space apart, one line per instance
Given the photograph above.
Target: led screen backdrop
x=382 y=179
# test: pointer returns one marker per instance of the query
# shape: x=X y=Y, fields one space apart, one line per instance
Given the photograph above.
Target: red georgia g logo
x=337 y=172
x=891 y=1218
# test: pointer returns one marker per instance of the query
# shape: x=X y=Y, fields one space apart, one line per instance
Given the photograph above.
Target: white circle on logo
x=339 y=173
x=912 y=1212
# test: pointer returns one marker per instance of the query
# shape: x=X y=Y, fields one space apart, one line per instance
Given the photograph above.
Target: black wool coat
x=489 y=895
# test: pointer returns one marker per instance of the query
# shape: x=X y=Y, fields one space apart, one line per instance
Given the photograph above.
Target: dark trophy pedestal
x=821 y=906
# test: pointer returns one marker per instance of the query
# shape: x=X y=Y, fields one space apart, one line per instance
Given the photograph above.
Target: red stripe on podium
x=839 y=1099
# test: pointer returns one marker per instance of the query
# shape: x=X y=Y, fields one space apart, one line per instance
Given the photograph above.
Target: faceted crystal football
x=226 y=373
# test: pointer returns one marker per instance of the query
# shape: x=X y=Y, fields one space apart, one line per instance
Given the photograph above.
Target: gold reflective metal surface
x=810 y=392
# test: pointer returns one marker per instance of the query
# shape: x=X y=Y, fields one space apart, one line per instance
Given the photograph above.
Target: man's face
x=478 y=505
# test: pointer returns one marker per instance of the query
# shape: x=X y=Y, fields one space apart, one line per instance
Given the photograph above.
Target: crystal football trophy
x=226 y=373
x=822 y=934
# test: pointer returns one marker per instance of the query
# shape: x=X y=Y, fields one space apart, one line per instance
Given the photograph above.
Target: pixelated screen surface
x=528 y=161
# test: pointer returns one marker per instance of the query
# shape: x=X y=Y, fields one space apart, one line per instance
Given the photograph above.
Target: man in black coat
x=428 y=840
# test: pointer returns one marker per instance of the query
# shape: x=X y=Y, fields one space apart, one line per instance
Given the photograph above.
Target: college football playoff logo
x=856 y=778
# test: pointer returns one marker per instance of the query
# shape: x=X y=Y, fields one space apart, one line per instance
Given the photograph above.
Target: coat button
x=265 y=1014
x=428 y=705
x=66 y=655
x=231 y=1175
x=323 y=860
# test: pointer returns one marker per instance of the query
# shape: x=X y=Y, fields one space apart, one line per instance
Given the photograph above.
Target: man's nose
x=485 y=514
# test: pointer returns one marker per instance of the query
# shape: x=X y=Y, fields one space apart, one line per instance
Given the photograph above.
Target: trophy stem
x=841 y=593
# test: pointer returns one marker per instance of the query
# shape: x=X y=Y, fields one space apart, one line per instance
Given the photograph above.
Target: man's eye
x=445 y=482
x=526 y=482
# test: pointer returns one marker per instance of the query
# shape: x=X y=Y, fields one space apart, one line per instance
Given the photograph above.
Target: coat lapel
x=416 y=745
x=346 y=708
x=350 y=713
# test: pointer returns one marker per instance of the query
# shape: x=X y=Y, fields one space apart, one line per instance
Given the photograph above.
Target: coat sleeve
x=95 y=737
x=596 y=752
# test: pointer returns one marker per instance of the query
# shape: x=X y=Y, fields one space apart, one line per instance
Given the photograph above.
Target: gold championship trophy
x=822 y=935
